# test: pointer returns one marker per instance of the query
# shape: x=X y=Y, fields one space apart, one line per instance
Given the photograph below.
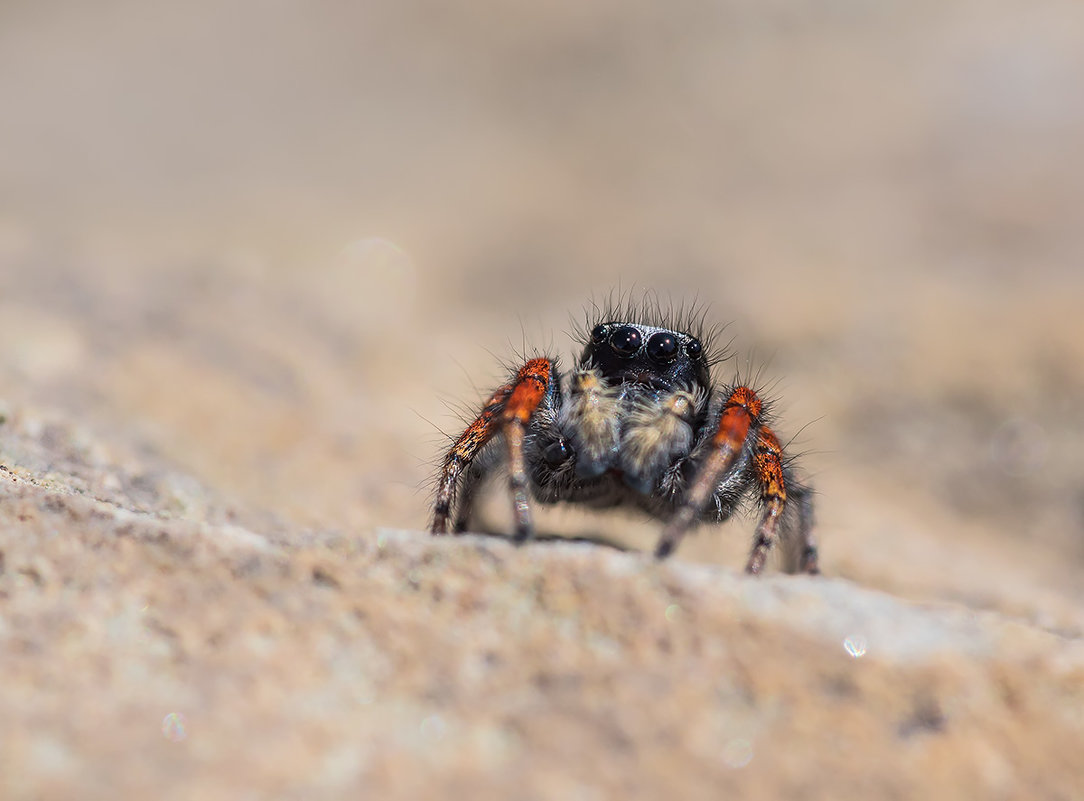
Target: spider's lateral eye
x=662 y=347
x=626 y=341
x=598 y=334
x=694 y=348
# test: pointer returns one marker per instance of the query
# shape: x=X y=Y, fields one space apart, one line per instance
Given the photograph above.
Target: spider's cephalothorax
x=638 y=423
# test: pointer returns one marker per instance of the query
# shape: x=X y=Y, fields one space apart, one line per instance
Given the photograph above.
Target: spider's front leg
x=740 y=420
x=740 y=413
x=507 y=411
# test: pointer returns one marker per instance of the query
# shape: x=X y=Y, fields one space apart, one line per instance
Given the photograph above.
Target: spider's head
x=644 y=354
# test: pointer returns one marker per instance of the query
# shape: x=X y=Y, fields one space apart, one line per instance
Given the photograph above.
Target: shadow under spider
x=590 y=539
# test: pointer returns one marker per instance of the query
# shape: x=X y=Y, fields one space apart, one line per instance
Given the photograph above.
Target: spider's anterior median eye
x=598 y=334
x=626 y=341
x=662 y=347
x=694 y=348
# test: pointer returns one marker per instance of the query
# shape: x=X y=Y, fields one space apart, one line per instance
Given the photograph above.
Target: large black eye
x=598 y=334
x=626 y=341
x=694 y=348
x=662 y=347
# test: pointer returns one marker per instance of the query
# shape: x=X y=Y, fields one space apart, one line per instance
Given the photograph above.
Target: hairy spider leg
x=741 y=412
x=532 y=381
x=461 y=455
x=768 y=466
x=508 y=410
x=468 y=490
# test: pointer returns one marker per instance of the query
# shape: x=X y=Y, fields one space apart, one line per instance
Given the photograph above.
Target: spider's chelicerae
x=640 y=423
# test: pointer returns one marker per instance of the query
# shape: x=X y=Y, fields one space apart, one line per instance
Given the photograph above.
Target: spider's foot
x=664 y=548
x=524 y=531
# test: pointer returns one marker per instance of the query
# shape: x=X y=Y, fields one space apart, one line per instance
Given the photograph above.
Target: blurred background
x=279 y=242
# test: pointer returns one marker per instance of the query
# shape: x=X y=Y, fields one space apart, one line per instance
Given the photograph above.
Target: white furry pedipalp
x=591 y=418
x=657 y=432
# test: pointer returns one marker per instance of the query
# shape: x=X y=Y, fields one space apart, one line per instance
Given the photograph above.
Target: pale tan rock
x=144 y=654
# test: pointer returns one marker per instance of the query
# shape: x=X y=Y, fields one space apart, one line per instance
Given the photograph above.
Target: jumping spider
x=639 y=423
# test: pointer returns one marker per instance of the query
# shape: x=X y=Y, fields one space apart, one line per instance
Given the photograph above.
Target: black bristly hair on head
x=649 y=308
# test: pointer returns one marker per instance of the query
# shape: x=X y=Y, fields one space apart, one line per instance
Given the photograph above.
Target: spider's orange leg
x=508 y=410
x=768 y=465
x=462 y=453
x=531 y=384
x=740 y=413
x=776 y=491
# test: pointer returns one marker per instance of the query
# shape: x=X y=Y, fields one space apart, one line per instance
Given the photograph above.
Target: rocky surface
x=255 y=259
x=148 y=652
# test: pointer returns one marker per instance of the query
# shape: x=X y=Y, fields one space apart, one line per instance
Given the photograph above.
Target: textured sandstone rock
x=145 y=652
